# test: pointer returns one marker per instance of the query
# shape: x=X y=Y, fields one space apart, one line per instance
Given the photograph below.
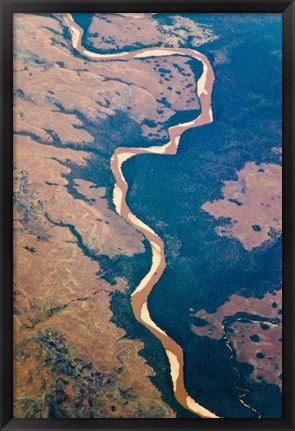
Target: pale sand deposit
x=174 y=365
x=122 y=157
x=135 y=15
x=140 y=295
x=145 y=316
x=155 y=53
x=156 y=261
x=117 y=198
x=156 y=246
x=197 y=407
x=134 y=220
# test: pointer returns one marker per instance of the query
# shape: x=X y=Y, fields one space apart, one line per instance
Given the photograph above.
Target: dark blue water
x=203 y=269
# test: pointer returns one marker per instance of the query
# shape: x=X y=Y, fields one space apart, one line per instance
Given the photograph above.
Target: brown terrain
x=263 y=352
x=54 y=86
x=105 y=32
x=67 y=350
x=70 y=357
x=141 y=293
x=121 y=154
x=255 y=336
x=255 y=212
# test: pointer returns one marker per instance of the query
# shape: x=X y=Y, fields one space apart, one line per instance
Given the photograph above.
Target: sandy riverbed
x=141 y=293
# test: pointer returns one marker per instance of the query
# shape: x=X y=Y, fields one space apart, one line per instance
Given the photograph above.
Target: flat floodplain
x=147 y=215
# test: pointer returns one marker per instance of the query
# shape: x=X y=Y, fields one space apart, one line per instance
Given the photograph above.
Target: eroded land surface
x=253 y=327
x=60 y=89
x=76 y=260
x=71 y=359
x=106 y=33
x=252 y=203
x=251 y=209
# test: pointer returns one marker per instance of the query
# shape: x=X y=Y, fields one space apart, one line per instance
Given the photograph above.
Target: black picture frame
x=8 y=7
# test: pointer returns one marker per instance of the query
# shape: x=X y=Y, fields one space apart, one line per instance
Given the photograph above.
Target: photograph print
x=147 y=179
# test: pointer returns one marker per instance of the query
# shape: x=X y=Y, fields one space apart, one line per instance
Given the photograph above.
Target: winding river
x=140 y=295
